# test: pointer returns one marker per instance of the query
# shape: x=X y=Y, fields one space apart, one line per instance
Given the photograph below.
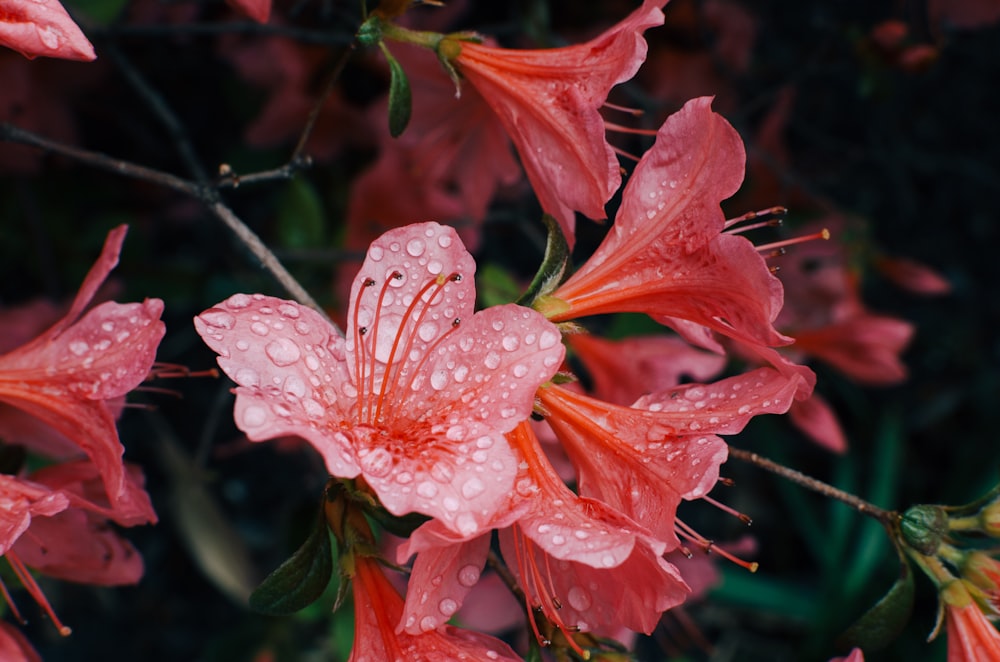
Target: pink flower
x=666 y=255
x=856 y=655
x=971 y=636
x=72 y=376
x=582 y=564
x=377 y=610
x=258 y=10
x=548 y=101
x=419 y=396
x=643 y=460
x=42 y=27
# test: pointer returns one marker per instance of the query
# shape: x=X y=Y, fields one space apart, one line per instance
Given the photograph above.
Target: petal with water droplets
x=42 y=27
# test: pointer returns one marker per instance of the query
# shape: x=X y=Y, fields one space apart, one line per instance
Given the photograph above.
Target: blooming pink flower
x=42 y=27
x=71 y=376
x=548 y=101
x=418 y=397
x=583 y=564
x=856 y=655
x=643 y=460
x=377 y=610
x=258 y=10
x=665 y=255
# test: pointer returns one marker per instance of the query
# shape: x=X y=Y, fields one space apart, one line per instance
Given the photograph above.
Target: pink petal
x=42 y=27
x=865 y=347
x=14 y=646
x=22 y=501
x=291 y=371
x=440 y=580
x=548 y=101
x=664 y=255
x=913 y=276
x=814 y=417
x=655 y=363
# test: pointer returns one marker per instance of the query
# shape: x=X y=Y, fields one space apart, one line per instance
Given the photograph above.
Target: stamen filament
x=24 y=575
x=823 y=234
x=359 y=347
x=370 y=388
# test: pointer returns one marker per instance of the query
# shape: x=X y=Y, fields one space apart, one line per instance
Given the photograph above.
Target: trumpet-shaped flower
x=665 y=254
x=42 y=27
x=548 y=101
x=971 y=636
x=377 y=610
x=581 y=563
x=417 y=398
x=71 y=376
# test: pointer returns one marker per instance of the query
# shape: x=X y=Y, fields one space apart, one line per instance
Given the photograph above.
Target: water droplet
x=48 y=36
x=492 y=360
x=242 y=345
x=468 y=575
x=375 y=253
x=450 y=504
x=520 y=370
x=743 y=409
x=427 y=489
x=283 y=352
x=428 y=331
x=444 y=241
x=435 y=267
x=461 y=372
x=254 y=417
x=294 y=386
x=428 y=623
x=558 y=540
x=578 y=598
x=247 y=377
x=238 y=301
x=484 y=442
x=260 y=328
x=608 y=561
x=544 y=528
x=439 y=379
x=447 y=606
x=473 y=488
x=377 y=463
x=548 y=339
x=415 y=247
x=219 y=319
x=79 y=347
x=510 y=343
x=442 y=472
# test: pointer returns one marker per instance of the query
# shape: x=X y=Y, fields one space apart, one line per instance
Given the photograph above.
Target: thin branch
x=207 y=195
x=323 y=37
x=886 y=517
x=331 y=81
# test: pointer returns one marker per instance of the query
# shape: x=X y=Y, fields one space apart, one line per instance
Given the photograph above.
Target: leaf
x=552 y=271
x=881 y=624
x=300 y=580
x=400 y=99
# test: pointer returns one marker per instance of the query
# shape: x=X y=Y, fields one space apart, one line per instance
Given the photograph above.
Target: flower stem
x=886 y=517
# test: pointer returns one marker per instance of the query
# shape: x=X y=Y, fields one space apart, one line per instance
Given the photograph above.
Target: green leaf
x=494 y=286
x=300 y=215
x=300 y=580
x=552 y=271
x=881 y=624
x=400 y=99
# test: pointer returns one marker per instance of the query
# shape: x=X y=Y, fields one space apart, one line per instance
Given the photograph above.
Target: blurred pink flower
x=258 y=10
x=418 y=397
x=15 y=647
x=72 y=377
x=42 y=27
x=548 y=101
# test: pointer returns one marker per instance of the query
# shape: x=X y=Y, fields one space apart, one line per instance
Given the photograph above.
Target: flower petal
x=42 y=27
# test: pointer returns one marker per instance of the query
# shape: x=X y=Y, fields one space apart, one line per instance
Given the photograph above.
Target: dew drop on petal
x=283 y=352
x=427 y=489
x=468 y=575
x=442 y=472
x=254 y=417
x=492 y=360
x=448 y=607
x=415 y=247
x=450 y=503
x=578 y=598
x=220 y=319
x=444 y=241
x=558 y=540
x=428 y=331
x=375 y=253
x=473 y=488
x=548 y=339
x=238 y=301
x=428 y=623
x=461 y=372
x=79 y=347
x=259 y=328
x=439 y=379
x=48 y=36
x=520 y=370
x=435 y=267
x=743 y=409
x=288 y=310
x=510 y=343
x=484 y=442
x=608 y=561
x=377 y=463
x=247 y=377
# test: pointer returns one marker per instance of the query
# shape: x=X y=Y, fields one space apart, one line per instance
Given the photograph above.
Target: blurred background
x=878 y=120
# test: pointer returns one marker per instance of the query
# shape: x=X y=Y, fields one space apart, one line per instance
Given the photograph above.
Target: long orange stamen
x=24 y=576
x=370 y=387
x=823 y=234
x=359 y=346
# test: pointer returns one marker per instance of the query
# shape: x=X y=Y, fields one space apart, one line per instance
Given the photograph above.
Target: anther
x=556 y=602
x=823 y=234
x=396 y=275
x=455 y=278
x=368 y=282
x=363 y=330
x=456 y=321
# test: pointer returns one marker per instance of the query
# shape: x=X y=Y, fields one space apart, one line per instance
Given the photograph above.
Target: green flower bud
x=923 y=528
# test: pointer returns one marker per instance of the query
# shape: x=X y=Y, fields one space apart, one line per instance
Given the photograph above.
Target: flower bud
x=982 y=571
x=923 y=527
x=989 y=518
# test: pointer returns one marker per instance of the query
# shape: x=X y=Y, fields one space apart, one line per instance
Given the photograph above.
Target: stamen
x=635 y=112
x=175 y=370
x=620 y=128
x=770 y=217
x=628 y=155
x=726 y=509
x=370 y=387
x=823 y=234
x=359 y=346
x=29 y=583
